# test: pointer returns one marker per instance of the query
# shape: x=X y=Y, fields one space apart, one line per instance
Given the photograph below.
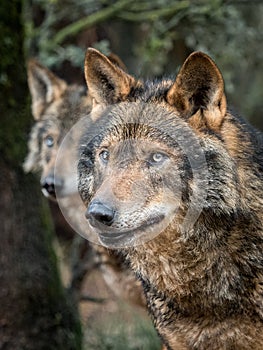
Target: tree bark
x=35 y=312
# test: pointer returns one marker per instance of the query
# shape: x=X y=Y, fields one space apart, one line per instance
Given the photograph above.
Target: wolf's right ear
x=44 y=87
x=199 y=86
x=107 y=82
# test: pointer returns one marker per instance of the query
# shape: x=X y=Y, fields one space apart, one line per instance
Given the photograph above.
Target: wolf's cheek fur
x=139 y=196
x=86 y=178
x=32 y=161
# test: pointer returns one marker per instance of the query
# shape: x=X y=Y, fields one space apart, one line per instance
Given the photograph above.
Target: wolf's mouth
x=51 y=196
x=114 y=237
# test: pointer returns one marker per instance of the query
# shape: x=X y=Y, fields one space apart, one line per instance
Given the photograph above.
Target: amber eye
x=104 y=156
x=157 y=158
x=49 y=141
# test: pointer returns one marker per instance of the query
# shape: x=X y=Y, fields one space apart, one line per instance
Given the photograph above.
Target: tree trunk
x=34 y=310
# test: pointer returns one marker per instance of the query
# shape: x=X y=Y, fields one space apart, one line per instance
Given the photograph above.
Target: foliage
x=230 y=31
x=207 y=25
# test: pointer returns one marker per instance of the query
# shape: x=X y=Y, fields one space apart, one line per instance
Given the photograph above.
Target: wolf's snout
x=49 y=183
x=101 y=213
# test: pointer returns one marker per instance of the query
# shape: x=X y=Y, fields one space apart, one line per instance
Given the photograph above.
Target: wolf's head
x=157 y=157
x=56 y=106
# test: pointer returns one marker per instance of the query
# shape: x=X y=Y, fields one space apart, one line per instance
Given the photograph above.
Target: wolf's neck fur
x=205 y=265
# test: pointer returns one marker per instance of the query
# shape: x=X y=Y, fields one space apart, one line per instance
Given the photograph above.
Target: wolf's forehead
x=129 y=133
x=150 y=128
x=66 y=106
x=136 y=141
x=50 y=125
x=137 y=121
x=74 y=94
x=142 y=118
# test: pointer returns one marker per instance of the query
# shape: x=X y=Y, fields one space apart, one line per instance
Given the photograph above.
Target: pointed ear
x=199 y=86
x=107 y=82
x=44 y=87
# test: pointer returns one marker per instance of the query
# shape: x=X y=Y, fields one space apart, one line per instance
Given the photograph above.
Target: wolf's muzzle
x=100 y=213
x=49 y=186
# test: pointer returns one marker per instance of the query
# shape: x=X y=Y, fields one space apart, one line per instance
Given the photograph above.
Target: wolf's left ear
x=107 y=82
x=44 y=87
x=199 y=86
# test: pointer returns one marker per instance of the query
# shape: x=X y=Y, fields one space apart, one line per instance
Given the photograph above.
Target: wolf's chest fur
x=194 y=293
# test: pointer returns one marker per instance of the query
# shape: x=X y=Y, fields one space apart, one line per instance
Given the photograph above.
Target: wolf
x=56 y=107
x=174 y=181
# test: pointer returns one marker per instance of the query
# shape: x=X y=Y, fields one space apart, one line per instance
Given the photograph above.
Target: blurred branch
x=92 y=299
x=89 y=21
x=136 y=15
x=154 y=14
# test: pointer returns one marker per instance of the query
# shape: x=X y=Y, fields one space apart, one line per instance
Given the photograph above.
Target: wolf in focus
x=158 y=146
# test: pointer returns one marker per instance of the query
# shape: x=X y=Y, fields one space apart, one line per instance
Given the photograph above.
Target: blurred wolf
x=203 y=279
x=56 y=107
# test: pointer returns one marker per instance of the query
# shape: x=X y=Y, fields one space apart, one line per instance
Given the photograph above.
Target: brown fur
x=203 y=282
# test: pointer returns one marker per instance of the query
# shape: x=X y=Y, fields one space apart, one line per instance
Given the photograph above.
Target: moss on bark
x=35 y=311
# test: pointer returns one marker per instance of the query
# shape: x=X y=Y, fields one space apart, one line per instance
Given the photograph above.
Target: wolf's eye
x=49 y=141
x=104 y=156
x=157 y=158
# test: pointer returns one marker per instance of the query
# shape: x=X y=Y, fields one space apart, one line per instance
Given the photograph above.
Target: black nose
x=49 y=183
x=101 y=213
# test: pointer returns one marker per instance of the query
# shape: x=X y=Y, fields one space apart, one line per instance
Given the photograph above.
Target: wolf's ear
x=199 y=86
x=44 y=87
x=107 y=82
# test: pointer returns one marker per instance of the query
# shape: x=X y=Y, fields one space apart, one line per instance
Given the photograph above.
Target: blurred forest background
x=153 y=38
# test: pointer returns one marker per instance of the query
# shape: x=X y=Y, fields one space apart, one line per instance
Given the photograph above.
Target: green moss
x=39 y=312
x=45 y=304
x=126 y=330
x=64 y=311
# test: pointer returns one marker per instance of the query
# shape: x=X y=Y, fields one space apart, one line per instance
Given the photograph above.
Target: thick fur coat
x=137 y=177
